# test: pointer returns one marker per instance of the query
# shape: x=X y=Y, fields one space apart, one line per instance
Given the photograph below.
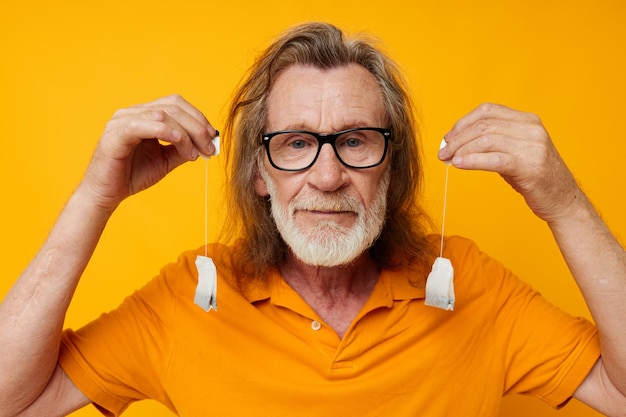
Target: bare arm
x=516 y=145
x=127 y=160
x=32 y=314
x=598 y=263
x=58 y=399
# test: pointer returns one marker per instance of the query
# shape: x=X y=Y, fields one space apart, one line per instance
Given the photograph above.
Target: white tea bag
x=206 y=290
x=440 y=285
x=440 y=281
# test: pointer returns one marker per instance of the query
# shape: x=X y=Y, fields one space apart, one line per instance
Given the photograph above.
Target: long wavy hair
x=250 y=226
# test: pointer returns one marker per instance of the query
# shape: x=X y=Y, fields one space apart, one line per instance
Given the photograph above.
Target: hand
x=517 y=146
x=131 y=156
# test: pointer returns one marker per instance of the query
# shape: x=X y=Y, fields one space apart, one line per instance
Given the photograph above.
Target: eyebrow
x=344 y=126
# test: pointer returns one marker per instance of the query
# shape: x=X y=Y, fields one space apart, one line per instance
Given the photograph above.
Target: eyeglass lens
x=298 y=150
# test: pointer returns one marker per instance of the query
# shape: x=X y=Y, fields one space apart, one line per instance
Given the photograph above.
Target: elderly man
x=321 y=284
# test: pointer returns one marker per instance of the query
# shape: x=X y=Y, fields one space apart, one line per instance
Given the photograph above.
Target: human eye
x=297 y=144
x=353 y=140
x=298 y=141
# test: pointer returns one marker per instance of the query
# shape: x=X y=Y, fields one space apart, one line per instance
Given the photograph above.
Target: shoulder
x=478 y=277
x=468 y=258
x=185 y=264
x=176 y=282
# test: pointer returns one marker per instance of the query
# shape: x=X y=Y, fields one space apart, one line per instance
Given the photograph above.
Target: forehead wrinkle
x=348 y=124
x=350 y=99
x=326 y=105
x=292 y=107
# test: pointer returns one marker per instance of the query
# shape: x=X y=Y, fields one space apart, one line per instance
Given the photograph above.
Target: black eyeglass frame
x=323 y=138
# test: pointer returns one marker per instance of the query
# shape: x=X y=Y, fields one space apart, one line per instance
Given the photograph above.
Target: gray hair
x=322 y=46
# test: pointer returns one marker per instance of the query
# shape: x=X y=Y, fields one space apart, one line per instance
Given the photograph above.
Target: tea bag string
x=440 y=281
x=206 y=207
x=443 y=216
x=206 y=290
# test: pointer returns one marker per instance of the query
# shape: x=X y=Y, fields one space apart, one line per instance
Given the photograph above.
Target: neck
x=336 y=294
x=337 y=282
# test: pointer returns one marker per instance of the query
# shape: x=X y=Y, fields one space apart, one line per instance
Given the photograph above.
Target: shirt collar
x=394 y=284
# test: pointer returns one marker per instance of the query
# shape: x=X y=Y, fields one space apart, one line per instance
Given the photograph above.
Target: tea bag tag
x=440 y=285
x=206 y=290
x=216 y=142
x=442 y=145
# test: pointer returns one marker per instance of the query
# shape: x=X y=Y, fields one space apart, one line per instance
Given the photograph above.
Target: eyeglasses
x=297 y=150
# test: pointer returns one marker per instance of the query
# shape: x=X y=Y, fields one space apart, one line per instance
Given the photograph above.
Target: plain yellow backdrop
x=68 y=65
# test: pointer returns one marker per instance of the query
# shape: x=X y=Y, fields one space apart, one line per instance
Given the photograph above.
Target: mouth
x=331 y=213
x=337 y=217
x=335 y=210
x=329 y=205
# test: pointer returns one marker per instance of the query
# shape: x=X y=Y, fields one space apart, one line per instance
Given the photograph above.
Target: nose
x=328 y=173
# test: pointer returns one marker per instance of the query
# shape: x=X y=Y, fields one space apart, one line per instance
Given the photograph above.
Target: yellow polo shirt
x=267 y=353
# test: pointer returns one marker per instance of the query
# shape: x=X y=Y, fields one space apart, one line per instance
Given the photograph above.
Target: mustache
x=326 y=202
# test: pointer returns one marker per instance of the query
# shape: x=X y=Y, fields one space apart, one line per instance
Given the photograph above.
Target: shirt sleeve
x=120 y=357
x=546 y=352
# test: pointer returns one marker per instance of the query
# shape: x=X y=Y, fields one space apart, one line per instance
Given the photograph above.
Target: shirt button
x=316 y=325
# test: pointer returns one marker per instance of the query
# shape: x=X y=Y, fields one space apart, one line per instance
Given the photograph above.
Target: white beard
x=329 y=244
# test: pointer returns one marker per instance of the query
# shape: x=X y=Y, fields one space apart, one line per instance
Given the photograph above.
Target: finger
x=488 y=111
x=179 y=101
x=174 y=99
x=199 y=138
x=506 y=153
x=123 y=134
x=174 y=158
x=483 y=135
x=151 y=162
x=198 y=133
x=196 y=126
x=510 y=131
x=500 y=162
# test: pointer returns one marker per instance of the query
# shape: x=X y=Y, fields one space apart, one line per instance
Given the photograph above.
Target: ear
x=260 y=186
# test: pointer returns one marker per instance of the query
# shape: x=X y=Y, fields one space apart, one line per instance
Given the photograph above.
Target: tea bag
x=206 y=290
x=440 y=285
x=440 y=281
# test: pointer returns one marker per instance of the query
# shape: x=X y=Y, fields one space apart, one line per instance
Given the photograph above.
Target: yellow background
x=68 y=65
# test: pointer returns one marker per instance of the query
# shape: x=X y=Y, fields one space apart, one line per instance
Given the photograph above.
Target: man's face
x=328 y=214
